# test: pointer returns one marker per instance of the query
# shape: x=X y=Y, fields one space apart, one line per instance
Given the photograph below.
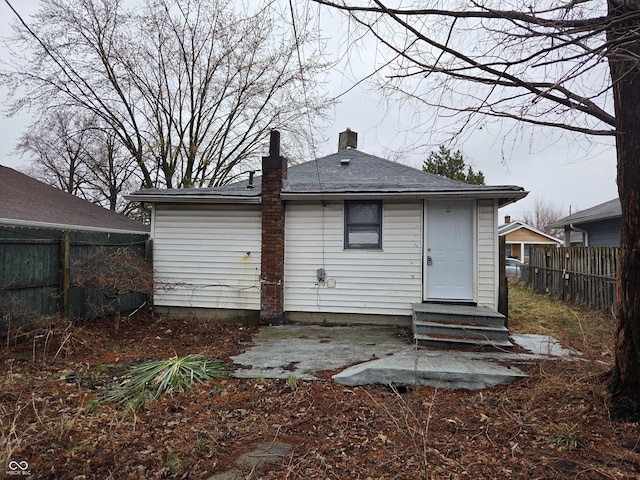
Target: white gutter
x=513 y=196
x=221 y=199
x=585 y=235
x=192 y=199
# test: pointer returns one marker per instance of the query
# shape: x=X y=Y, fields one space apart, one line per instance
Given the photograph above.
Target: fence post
x=65 y=275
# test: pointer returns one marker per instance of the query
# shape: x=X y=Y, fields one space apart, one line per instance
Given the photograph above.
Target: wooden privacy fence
x=38 y=274
x=581 y=275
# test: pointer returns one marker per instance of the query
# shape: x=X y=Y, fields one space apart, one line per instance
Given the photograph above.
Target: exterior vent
x=345 y=162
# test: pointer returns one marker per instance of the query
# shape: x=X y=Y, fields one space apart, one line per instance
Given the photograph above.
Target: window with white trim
x=363 y=224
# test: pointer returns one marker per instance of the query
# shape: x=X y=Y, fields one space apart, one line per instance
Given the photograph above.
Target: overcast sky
x=553 y=166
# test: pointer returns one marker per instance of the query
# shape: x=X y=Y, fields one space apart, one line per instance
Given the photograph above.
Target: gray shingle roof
x=364 y=173
x=25 y=200
x=603 y=211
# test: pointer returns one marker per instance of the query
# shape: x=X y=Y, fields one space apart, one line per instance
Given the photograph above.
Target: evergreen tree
x=453 y=166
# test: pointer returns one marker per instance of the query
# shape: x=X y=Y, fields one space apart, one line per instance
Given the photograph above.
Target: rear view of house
x=349 y=237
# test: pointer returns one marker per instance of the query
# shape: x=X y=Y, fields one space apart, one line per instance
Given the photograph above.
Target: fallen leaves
x=336 y=432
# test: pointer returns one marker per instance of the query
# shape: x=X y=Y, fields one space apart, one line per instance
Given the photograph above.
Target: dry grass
x=589 y=331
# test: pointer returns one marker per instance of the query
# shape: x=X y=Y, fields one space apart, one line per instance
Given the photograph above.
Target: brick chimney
x=347 y=139
x=274 y=173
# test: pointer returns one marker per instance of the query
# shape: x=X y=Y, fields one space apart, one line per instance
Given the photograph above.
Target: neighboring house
x=45 y=234
x=599 y=226
x=27 y=202
x=520 y=237
x=347 y=237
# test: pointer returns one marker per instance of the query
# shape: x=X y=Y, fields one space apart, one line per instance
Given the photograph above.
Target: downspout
x=585 y=234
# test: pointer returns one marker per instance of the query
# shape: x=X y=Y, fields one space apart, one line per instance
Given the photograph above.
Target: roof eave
x=61 y=226
x=504 y=197
x=508 y=229
x=517 y=225
x=580 y=221
x=507 y=199
x=192 y=199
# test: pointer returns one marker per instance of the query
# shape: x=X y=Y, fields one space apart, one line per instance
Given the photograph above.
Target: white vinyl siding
x=207 y=255
x=487 y=251
x=384 y=282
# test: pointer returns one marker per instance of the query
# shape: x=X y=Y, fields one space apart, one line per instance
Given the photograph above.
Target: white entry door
x=448 y=255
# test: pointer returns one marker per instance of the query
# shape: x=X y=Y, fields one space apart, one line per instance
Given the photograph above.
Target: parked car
x=514 y=268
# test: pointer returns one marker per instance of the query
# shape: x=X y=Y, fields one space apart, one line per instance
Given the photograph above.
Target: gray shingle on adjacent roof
x=507 y=228
x=364 y=173
x=603 y=211
x=26 y=200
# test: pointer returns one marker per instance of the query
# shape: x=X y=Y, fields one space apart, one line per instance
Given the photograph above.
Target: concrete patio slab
x=383 y=355
x=543 y=345
x=442 y=369
x=302 y=350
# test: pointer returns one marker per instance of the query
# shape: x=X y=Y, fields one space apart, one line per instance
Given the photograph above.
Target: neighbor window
x=363 y=224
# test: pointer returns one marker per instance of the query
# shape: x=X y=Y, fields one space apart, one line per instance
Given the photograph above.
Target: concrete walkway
x=383 y=355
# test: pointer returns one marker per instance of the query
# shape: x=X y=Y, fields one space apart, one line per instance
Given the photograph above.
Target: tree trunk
x=624 y=382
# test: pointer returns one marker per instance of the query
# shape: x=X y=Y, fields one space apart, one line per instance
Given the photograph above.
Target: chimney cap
x=274 y=143
x=347 y=139
x=274 y=161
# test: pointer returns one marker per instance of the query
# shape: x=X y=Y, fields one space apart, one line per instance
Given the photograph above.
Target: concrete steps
x=459 y=325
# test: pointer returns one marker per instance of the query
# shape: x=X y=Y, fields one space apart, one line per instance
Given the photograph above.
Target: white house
x=347 y=237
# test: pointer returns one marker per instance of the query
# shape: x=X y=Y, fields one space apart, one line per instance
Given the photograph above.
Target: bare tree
x=543 y=214
x=58 y=151
x=77 y=155
x=188 y=88
x=543 y=64
x=111 y=172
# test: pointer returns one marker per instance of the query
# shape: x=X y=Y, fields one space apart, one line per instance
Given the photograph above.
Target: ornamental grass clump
x=154 y=378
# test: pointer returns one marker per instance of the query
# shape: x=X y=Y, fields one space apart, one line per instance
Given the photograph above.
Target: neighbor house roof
x=25 y=201
x=518 y=225
x=603 y=211
x=346 y=174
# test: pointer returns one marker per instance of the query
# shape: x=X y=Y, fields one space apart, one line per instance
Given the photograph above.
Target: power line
x=311 y=135
x=302 y=78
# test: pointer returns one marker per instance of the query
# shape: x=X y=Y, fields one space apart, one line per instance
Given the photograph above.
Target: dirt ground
x=553 y=425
